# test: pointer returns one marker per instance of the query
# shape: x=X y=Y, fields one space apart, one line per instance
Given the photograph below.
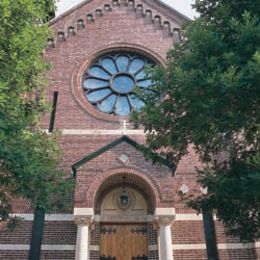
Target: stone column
x=83 y=218
x=164 y=218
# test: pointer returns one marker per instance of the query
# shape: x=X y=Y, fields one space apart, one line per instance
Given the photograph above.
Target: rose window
x=111 y=82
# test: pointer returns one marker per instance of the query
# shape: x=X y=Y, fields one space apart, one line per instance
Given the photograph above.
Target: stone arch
x=114 y=178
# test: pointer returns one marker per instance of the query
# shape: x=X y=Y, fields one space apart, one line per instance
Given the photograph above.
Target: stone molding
x=124 y=219
x=48 y=217
x=164 y=216
x=26 y=247
x=118 y=132
x=94 y=248
x=70 y=217
x=83 y=212
x=221 y=246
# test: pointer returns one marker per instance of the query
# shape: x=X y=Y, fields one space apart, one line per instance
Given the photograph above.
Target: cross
x=125 y=124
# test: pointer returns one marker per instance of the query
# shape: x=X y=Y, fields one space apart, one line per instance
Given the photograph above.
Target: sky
x=183 y=6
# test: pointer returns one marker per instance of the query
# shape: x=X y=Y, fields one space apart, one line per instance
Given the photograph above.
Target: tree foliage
x=29 y=158
x=209 y=96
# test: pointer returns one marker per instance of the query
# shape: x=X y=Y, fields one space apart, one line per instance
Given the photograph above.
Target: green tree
x=209 y=96
x=29 y=158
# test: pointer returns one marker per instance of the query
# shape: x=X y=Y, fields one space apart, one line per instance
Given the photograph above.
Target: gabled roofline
x=146 y=151
x=74 y=8
x=169 y=8
x=71 y=10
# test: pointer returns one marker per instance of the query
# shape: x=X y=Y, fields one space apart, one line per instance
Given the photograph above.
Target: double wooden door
x=124 y=242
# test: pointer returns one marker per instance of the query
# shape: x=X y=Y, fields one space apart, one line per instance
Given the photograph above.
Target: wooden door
x=123 y=242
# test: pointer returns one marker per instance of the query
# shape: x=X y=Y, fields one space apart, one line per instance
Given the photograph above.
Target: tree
x=209 y=97
x=29 y=158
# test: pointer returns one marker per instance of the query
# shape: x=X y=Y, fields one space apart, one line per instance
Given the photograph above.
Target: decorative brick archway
x=134 y=177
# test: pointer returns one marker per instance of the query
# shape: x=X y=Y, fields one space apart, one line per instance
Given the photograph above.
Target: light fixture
x=124 y=197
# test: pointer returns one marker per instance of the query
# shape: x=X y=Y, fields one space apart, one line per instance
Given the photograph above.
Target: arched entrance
x=124 y=206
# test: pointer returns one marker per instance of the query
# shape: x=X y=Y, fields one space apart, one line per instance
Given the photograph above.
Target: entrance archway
x=124 y=206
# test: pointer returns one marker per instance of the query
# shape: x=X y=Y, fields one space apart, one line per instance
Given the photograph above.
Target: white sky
x=183 y=6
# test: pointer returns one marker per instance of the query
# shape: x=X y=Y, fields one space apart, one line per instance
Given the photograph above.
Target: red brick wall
x=59 y=232
x=188 y=232
x=20 y=235
x=14 y=255
x=190 y=255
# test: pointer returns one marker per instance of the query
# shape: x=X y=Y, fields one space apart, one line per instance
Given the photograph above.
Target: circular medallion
x=122 y=83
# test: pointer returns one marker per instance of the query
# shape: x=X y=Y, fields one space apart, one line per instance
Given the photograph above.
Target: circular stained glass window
x=110 y=83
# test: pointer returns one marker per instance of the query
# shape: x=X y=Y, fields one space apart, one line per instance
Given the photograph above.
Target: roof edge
x=69 y=11
x=172 y=9
x=146 y=151
x=74 y=8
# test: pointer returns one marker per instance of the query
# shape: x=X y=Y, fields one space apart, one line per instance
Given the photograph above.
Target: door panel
x=123 y=242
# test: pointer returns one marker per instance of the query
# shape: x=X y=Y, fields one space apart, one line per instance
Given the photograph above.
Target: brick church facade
x=125 y=206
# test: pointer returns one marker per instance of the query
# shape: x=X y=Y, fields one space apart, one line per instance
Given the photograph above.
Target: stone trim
x=70 y=217
x=189 y=247
x=124 y=219
x=25 y=217
x=94 y=248
x=58 y=247
x=221 y=246
x=21 y=247
x=152 y=247
x=14 y=247
x=189 y=217
x=48 y=217
x=165 y=212
x=59 y=217
x=119 y=132
x=83 y=212
x=238 y=245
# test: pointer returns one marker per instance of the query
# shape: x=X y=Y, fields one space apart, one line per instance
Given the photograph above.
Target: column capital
x=84 y=216
x=164 y=216
x=84 y=220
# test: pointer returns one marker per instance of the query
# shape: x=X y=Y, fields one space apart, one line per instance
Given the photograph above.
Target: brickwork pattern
x=59 y=232
x=188 y=232
x=142 y=172
x=190 y=255
x=14 y=255
x=21 y=234
x=238 y=254
x=57 y=255
x=95 y=235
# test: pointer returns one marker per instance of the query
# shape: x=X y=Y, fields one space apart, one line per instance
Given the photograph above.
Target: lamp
x=124 y=197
